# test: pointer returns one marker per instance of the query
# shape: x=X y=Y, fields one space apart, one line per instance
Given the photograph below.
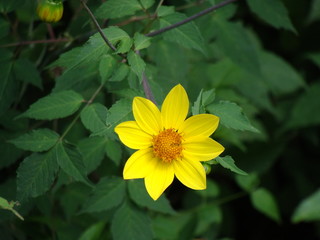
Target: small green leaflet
x=228 y=162
x=106 y=67
x=36 y=174
x=146 y=3
x=114 y=151
x=273 y=12
x=120 y=72
x=37 y=140
x=94 y=117
x=231 y=116
x=71 y=162
x=263 y=200
x=107 y=194
x=140 y=41
x=117 y=8
x=187 y=35
x=204 y=98
x=136 y=63
x=308 y=210
x=131 y=223
x=4 y=204
x=55 y=105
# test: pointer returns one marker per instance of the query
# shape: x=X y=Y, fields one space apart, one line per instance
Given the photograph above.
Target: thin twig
x=189 y=19
x=57 y=40
x=98 y=26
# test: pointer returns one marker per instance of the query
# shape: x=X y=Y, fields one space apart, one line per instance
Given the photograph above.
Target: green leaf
x=120 y=73
x=279 y=75
x=204 y=98
x=273 y=12
x=26 y=71
x=314 y=13
x=4 y=204
x=136 y=63
x=305 y=111
x=114 y=151
x=249 y=182
x=36 y=174
x=139 y=195
x=94 y=117
x=94 y=49
x=8 y=6
x=146 y=3
x=117 y=8
x=93 y=232
x=231 y=116
x=71 y=162
x=37 y=140
x=106 y=67
x=308 y=210
x=93 y=151
x=228 y=162
x=55 y=105
x=234 y=41
x=206 y=216
x=131 y=223
x=187 y=35
x=263 y=200
x=4 y=28
x=315 y=57
x=165 y=10
x=108 y=193
x=140 y=41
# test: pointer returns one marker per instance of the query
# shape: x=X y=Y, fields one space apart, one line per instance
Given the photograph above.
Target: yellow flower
x=168 y=144
x=50 y=10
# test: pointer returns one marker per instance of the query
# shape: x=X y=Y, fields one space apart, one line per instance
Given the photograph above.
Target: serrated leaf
x=94 y=49
x=25 y=70
x=187 y=35
x=141 y=41
x=236 y=44
x=308 y=209
x=106 y=67
x=279 y=75
x=71 y=162
x=228 y=162
x=53 y=106
x=136 y=223
x=94 y=117
x=197 y=107
x=136 y=63
x=263 y=200
x=117 y=8
x=273 y=12
x=36 y=174
x=114 y=151
x=165 y=10
x=108 y=193
x=120 y=73
x=37 y=140
x=139 y=195
x=231 y=116
x=147 y=3
x=93 y=151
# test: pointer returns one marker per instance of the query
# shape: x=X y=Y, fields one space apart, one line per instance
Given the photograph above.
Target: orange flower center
x=167 y=145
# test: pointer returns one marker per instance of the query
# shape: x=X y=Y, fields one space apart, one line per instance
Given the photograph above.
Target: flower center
x=167 y=145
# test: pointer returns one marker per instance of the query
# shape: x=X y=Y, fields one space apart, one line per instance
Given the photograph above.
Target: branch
x=57 y=40
x=98 y=26
x=189 y=19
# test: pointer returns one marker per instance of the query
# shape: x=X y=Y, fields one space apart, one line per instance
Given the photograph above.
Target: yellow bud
x=50 y=10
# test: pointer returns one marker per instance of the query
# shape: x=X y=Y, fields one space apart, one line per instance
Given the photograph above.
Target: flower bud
x=50 y=10
x=207 y=168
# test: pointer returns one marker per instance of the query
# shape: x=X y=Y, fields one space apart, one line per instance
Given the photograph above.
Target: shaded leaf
x=55 y=105
x=36 y=174
x=26 y=71
x=37 y=140
x=136 y=63
x=117 y=8
x=107 y=194
x=141 y=41
x=114 y=151
x=94 y=117
x=106 y=67
x=249 y=182
x=228 y=162
x=120 y=73
x=93 y=232
x=136 y=223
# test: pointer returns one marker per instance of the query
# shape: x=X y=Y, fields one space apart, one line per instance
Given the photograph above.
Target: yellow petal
x=175 y=108
x=201 y=148
x=140 y=164
x=132 y=135
x=158 y=180
x=147 y=115
x=191 y=173
x=202 y=124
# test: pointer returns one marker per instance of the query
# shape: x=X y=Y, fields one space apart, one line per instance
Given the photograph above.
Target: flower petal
x=132 y=136
x=147 y=115
x=190 y=173
x=175 y=108
x=201 y=148
x=158 y=180
x=140 y=164
x=202 y=124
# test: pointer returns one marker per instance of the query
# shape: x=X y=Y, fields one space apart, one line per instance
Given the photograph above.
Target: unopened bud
x=50 y=10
